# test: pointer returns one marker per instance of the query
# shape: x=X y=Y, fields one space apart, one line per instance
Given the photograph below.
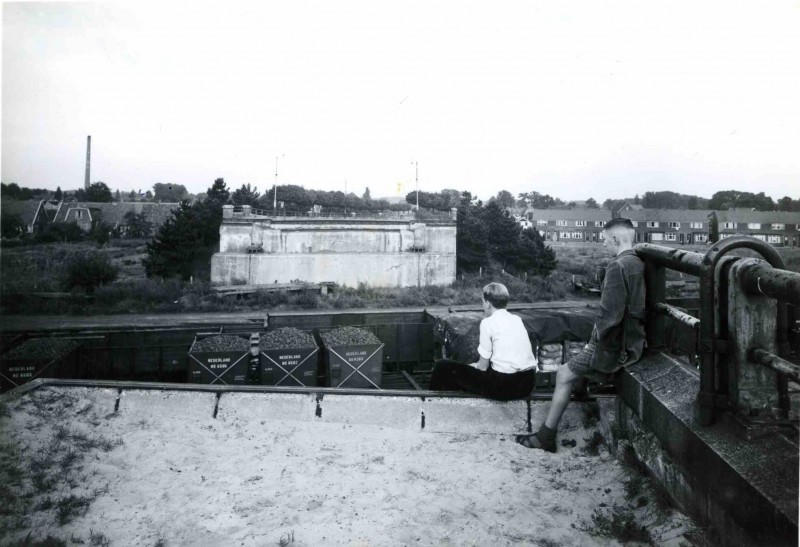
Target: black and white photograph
x=399 y=273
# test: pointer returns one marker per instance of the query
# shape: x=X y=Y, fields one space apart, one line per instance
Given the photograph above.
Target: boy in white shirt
x=506 y=368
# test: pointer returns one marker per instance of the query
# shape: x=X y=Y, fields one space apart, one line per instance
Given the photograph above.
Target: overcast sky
x=573 y=99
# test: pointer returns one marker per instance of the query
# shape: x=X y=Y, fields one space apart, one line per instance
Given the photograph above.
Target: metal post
x=752 y=321
x=655 y=279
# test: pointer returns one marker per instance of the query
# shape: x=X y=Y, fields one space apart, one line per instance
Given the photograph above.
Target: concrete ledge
x=259 y=407
x=746 y=489
x=174 y=405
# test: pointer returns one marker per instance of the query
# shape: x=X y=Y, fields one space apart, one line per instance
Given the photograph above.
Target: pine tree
x=184 y=244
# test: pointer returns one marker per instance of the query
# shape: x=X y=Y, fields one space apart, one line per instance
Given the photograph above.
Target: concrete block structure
x=261 y=250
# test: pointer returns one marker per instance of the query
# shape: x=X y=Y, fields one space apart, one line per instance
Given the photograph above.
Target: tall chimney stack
x=88 y=161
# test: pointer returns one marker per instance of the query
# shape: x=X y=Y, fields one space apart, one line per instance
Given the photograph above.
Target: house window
x=561 y=223
x=656 y=236
x=700 y=238
x=541 y=223
x=652 y=224
x=754 y=225
x=635 y=223
x=599 y=223
x=580 y=223
x=577 y=235
x=564 y=235
x=674 y=225
x=696 y=225
x=670 y=237
x=778 y=226
x=762 y=237
x=729 y=225
x=79 y=214
x=773 y=239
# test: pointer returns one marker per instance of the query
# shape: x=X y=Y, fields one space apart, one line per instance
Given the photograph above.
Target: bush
x=59 y=231
x=89 y=271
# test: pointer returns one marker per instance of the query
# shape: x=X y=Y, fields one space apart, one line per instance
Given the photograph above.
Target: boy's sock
x=546 y=436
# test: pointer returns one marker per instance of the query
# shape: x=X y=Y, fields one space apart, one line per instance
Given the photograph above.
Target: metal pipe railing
x=708 y=355
x=757 y=279
x=687 y=262
x=678 y=315
x=773 y=362
x=778 y=284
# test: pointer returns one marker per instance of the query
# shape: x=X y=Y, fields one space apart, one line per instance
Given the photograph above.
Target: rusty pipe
x=781 y=285
x=678 y=315
x=687 y=262
x=773 y=362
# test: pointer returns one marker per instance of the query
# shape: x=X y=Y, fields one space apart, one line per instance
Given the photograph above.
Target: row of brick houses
x=36 y=214
x=670 y=226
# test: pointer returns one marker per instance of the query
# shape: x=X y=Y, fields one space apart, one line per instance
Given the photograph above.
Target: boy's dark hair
x=621 y=221
x=496 y=294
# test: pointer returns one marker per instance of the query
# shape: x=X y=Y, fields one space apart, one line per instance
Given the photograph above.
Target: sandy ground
x=270 y=470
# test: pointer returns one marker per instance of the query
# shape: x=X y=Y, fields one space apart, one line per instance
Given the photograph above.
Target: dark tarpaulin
x=458 y=332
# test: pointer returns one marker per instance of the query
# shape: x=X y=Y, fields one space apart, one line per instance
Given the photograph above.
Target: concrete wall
x=340 y=236
x=380 y=253
x=374 y=269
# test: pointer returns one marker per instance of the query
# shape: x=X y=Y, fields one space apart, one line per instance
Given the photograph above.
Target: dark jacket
x=621 y=307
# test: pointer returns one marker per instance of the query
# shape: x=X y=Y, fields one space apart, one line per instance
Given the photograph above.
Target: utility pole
x=275 y=188
x=416 y=179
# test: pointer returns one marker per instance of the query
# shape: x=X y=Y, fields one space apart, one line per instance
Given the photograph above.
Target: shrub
x=59 y=231
x=89 y=271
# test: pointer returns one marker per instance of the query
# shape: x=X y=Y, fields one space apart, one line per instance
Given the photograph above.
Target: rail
x=744 y=320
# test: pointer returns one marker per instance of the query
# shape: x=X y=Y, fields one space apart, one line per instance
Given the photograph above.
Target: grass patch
x=593 y=444
x=70 y=507
x=98 y=540
x=47 y=541
x=620 y=523
x=45 y=474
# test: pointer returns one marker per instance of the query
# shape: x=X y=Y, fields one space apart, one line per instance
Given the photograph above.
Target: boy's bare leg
x=565 y=378
x=545 y=438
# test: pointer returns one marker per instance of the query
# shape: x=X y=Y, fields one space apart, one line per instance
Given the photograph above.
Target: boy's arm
x=612 y=301
x=484 y=347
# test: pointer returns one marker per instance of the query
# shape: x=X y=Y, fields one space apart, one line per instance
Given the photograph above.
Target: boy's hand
x=482 y=364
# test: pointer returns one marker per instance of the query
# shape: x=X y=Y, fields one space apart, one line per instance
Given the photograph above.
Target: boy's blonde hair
x=496 y=294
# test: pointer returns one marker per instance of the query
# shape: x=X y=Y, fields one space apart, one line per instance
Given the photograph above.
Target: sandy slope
x=264 y=469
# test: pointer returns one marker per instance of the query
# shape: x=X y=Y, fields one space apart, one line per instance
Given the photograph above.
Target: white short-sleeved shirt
x=505 y=343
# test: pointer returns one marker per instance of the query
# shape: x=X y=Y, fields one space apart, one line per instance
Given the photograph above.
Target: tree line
x=297 y=199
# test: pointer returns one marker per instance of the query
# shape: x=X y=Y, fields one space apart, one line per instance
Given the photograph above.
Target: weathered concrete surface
x=752 y=321
x=746 y=489
x=156 y=404
x=314 y=235
x=254 y=407
x=378 y=252
x=390 y=269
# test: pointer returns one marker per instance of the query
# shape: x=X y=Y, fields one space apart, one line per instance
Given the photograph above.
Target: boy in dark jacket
x=618 y=336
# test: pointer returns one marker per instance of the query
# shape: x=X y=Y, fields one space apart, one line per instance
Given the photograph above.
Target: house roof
x=26 y=210
x=763 y=217
x=669 y=215
x=631 y=207
x=570 y=214
x=114 y=213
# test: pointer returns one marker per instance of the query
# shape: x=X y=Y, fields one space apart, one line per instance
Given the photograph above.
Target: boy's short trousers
x=581 y=364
